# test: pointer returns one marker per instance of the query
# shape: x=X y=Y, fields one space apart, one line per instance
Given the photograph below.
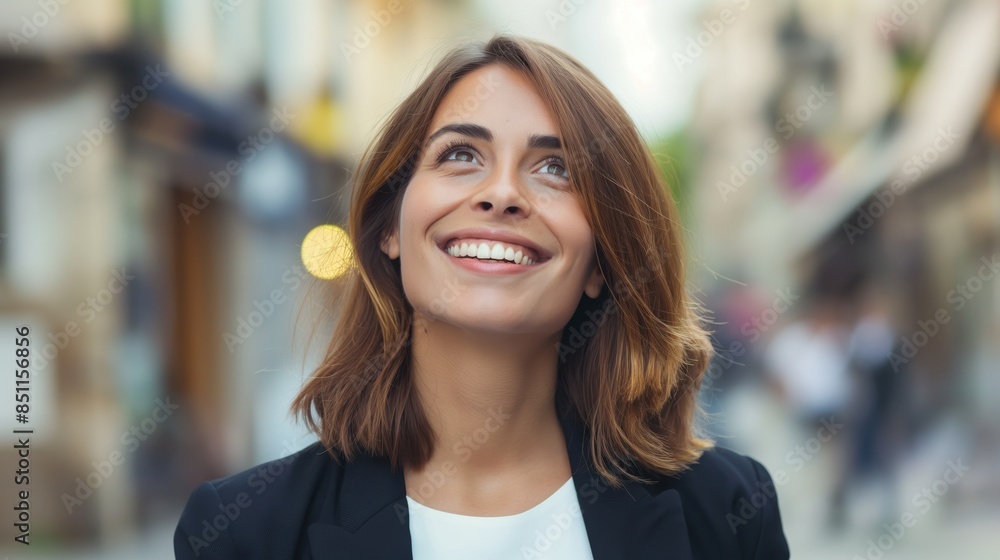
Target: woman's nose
x=503 y=191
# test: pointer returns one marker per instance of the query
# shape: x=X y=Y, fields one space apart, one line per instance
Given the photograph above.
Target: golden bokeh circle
x=327 y=252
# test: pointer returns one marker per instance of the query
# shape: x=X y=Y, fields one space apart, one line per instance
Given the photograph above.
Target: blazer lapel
x=628 y=522
x=365 y=515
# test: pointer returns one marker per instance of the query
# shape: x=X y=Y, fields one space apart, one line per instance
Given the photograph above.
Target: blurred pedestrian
x=871 y=432
x=808 y=363
x=807 y=359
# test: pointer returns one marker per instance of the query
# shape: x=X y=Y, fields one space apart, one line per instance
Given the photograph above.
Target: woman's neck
x=491 y=401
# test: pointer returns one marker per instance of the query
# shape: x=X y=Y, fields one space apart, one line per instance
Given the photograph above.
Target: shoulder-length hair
x=630 y=361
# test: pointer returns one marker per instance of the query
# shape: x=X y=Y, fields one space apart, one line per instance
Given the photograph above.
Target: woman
x=515 y=370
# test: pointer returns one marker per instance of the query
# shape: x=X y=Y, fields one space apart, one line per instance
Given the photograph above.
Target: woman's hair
x=630 y=361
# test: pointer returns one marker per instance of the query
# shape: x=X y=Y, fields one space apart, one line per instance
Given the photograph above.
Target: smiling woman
x=515 y=366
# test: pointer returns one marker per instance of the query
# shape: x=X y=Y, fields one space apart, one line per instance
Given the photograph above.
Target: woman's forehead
x=498 y=98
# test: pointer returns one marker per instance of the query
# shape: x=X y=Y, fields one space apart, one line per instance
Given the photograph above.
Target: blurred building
x=844 y=145
x=158 y=172
x=848 y=153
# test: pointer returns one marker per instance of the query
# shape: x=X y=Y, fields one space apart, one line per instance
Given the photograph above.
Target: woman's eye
x=461 y=155
x=555 y=169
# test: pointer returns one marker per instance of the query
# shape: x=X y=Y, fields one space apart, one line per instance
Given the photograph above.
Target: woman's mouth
x=491 y=257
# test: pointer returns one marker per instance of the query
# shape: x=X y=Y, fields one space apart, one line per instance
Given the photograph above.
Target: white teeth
x=484 y=251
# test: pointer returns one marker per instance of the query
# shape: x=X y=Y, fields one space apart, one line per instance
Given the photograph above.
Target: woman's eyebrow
x=465 y=129
x=544 y=142
x=535 y=141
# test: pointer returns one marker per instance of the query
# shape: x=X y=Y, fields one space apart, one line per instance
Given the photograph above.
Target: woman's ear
x=390 y=246
x=594 y=282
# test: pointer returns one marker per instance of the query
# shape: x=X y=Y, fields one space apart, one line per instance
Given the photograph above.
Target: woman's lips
x=534 y=254
x=490 y=266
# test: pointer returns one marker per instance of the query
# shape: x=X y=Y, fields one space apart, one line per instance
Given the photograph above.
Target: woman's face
x=492 y=176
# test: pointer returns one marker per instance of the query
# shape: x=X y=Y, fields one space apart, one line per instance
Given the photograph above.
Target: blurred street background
x=836 y=162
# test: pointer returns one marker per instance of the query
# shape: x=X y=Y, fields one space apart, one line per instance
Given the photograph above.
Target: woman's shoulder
x=726 y=492
x=227 y=515
x=721 y=467
x=280 y=474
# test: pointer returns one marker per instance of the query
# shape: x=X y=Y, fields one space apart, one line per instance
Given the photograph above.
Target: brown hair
x=630 y=361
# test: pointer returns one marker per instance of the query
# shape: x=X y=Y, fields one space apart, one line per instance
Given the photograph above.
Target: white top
x=553 y=530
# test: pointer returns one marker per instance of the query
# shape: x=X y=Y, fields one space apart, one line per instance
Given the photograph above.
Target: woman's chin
x=499 y=320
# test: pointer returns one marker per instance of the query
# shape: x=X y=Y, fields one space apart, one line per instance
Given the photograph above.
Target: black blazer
x=307 y=506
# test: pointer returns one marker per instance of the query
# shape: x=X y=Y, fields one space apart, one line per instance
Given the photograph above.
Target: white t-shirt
x=553 y=530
